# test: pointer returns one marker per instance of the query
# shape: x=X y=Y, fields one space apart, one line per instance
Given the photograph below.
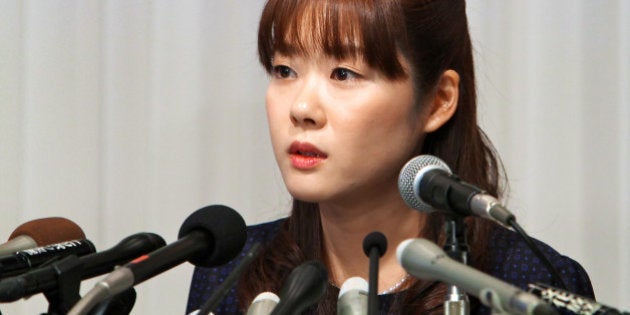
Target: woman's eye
x=283 y=72
x=343 y=74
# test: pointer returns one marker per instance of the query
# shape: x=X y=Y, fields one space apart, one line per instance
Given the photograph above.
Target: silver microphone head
x=411 y=175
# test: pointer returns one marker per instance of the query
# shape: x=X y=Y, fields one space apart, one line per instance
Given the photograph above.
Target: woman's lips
x=305 y=155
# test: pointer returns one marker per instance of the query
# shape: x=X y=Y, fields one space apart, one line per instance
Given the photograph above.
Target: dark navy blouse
x=512 y=261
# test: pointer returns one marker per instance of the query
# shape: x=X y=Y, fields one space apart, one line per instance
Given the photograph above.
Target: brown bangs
x=368 y=29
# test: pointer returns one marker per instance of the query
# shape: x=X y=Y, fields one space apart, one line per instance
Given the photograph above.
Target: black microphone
x=46 y=278
x=425 y=260
x=306 y=284
x=209 y=237
x=427 y=184
x=25 y=260
x=374 y=246
x=41 y=232
x=565 y=300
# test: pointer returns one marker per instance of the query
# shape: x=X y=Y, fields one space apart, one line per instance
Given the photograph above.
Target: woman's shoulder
x=513 y=261
x=263 y=232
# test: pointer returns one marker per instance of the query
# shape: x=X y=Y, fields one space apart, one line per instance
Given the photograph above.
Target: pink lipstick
x=305 y=155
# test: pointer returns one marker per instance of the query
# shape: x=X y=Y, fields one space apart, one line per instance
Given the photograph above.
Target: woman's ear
x=444 y=101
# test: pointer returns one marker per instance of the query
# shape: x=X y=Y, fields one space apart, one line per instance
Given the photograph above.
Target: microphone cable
x=530 y=243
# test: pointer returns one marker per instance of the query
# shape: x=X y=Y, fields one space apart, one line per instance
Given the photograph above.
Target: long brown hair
x=433 y=36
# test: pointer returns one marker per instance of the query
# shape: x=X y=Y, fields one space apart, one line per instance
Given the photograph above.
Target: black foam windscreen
x=375 y=239
x=225 y=229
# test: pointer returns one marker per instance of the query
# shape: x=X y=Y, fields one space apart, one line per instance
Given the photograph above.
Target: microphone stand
x=456 y=247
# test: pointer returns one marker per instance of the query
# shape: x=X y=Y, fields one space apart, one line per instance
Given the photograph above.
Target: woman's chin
x=307 y=195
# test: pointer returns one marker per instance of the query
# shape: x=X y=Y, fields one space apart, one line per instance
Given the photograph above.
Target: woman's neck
x=344 y=229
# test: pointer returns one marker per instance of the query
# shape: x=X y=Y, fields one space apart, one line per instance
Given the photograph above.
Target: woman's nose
x=307 y=110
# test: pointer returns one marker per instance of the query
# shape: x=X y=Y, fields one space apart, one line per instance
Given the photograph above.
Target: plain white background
x=126 y=116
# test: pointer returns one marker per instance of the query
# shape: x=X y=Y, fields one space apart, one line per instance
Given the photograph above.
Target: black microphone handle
x=447 y=192
x=25 y=260
x=373 y=304
x=229 y=282
x=168 y=256
x=128 y=248
x=32 y=282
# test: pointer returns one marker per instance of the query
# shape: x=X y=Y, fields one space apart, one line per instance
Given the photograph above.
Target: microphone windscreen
x=46 y=231
x=263 y=304
x=353 y=297
x=352 y=284
x=304 y=286
x=226 y=229
x=375 y=239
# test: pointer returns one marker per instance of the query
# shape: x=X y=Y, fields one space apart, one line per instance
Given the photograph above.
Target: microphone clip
x=66 y=294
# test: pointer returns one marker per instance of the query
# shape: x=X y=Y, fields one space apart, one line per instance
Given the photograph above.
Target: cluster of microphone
x=427 y=184
x=209 y=237
x=303 y=288
x=52 y=256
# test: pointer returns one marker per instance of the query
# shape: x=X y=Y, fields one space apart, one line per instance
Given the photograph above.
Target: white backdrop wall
x=126 y=116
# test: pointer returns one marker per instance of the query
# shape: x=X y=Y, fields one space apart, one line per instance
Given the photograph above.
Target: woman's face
x=340 y=129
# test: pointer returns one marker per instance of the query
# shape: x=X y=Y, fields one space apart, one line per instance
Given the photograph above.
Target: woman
x=359 y=87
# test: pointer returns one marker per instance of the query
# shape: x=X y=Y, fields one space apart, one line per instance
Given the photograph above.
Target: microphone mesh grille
x=410 y=177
